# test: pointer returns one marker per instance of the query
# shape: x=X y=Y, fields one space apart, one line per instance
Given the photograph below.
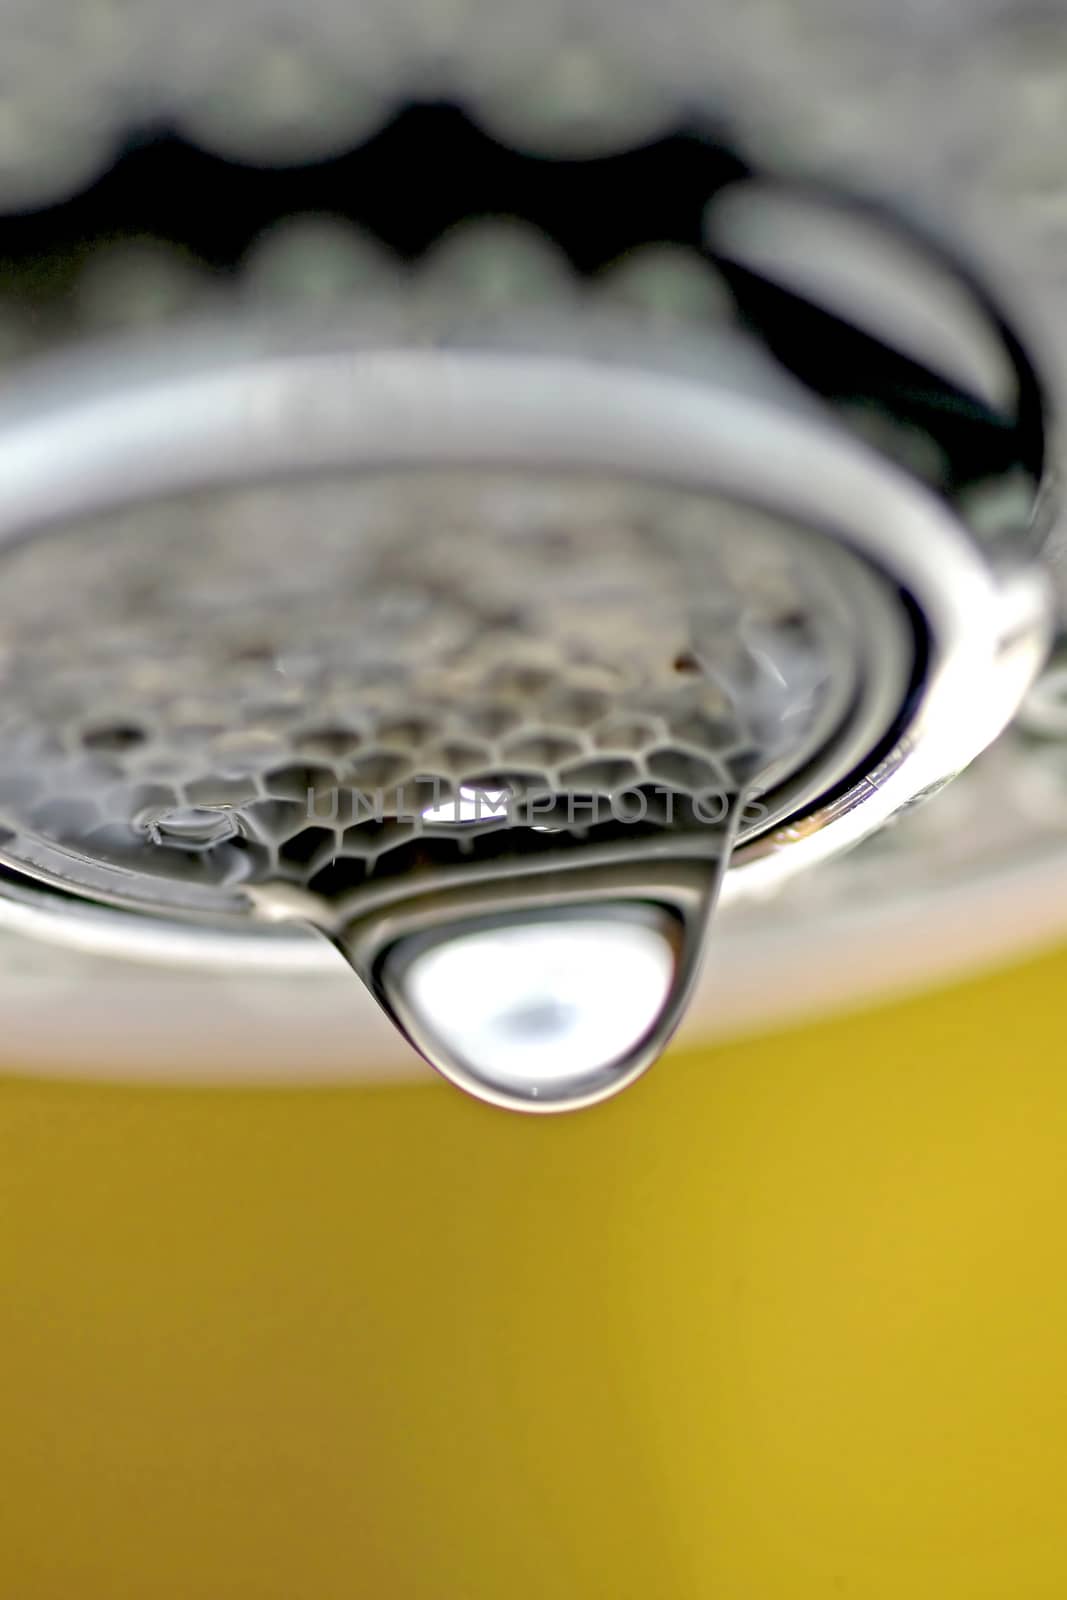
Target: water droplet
x=540 y=1006
x=541 y=988
x=193 y=827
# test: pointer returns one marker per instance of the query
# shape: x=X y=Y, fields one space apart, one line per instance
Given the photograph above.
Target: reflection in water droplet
x=543 y=1003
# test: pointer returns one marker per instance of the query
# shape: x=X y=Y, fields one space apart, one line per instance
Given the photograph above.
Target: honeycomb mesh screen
x=305 y=682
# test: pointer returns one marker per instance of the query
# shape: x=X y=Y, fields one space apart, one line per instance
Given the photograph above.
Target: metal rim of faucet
x=271 y=406
x=927 y=751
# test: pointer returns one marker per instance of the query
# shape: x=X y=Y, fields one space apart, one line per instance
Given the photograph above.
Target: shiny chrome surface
x=861 y=208
x=153 y=429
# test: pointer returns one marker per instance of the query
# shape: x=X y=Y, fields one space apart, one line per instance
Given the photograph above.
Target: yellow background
x=787 y=1320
